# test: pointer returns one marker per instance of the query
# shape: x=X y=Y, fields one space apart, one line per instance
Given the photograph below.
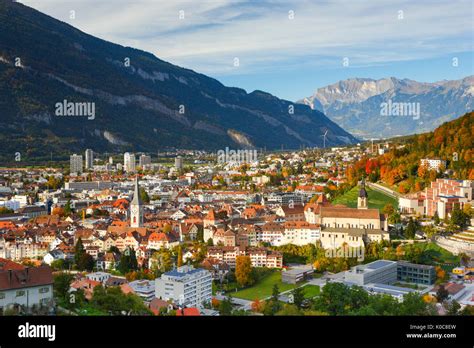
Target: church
x=353 y=226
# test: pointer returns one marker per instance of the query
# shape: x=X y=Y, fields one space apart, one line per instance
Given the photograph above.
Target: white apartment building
x=144 y=160
x=129 y=162
x=75 y=162
x=433 y=163
x=89 y=159
x=186 y=286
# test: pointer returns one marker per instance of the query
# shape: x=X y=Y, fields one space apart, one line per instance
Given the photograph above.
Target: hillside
x=400 y=167
x=146 y=105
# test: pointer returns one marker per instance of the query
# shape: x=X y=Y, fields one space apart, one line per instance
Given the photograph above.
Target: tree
x=128 y=261
x=86 y=262
x=289 y=310
x=243 y=270
x=180 y=256
x=225 y=308
x=436 y=218
x=334 y=299
x=442 y=294
x=459 y=217
x=67 y=208
x=257 y=305
x=144 y=195
x=411 y=229
x=62 y=284
x=298 y=297
x=452 y=307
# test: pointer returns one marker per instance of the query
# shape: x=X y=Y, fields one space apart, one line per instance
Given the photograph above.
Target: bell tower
x=363 y=196
x=136 y=207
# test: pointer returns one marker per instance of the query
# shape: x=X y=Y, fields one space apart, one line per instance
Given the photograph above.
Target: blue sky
x=287 y=48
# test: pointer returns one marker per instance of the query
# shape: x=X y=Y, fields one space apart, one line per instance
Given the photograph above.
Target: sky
x=287 y=48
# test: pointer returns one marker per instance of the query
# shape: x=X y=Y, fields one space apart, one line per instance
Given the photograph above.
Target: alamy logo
x=66 y=108
x=400 y=109
x=236 y=156
x=347 y=253
x=37 y=331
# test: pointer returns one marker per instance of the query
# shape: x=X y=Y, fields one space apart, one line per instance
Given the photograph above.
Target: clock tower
x=136 y=207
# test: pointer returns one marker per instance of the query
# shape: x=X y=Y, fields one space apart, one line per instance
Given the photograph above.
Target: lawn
x=263 y=288
x=434 y=252
x=311 y=291
x=376 y=199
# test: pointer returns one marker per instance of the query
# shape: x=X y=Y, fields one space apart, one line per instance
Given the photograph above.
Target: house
x=54 y=255
x=101 y=277
x=292 y=212
x=25 y=288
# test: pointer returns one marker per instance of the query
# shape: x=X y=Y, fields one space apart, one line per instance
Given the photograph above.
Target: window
x=2 y=295
x=20 y=293
x=43 y=290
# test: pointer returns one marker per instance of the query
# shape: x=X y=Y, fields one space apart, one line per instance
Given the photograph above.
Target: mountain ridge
x=146 y=105
x=355 y=104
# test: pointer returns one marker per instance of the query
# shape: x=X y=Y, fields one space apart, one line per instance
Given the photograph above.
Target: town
x=308 y=232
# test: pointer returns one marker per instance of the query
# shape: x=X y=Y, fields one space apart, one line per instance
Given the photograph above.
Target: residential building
x=26 y=288
x=75 y=163
x=89 y=159
x=178 y=163
x=186 y=286
x=129 y=162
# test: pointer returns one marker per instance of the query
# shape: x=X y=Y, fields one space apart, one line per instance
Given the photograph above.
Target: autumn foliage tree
x=243 y=270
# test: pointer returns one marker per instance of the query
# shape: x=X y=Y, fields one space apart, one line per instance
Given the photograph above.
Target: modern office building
x=380 y=271
x=75 y=163
x=413 y=273
x=297 y=274
x=186 y=286
x=89 y=159
x=129 y=162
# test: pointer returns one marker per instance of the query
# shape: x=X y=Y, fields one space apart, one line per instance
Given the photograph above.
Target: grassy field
x=376 y=199
x=311 y=290
x=263 y=288
x=437 y=254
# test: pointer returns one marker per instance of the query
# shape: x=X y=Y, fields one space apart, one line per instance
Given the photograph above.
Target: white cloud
x=263 y=37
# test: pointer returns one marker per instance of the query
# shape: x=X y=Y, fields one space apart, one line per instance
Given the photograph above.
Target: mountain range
x=357 y=104
x=140 y=102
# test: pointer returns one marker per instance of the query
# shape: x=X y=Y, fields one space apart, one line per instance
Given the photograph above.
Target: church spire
x=136 y=207
x=137 y=200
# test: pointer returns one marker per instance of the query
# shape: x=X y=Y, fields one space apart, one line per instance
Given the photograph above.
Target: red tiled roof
x=187 y=312
x=28 y=277
x=6 y=264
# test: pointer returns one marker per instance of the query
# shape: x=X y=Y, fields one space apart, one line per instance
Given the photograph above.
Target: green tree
x=144 y=196
x=67 y=208
x=411 y=229
x=298 y=296
x=62 y=284
x=442 y=294
x=225 y=307
x=180 y=256
x=78 y=251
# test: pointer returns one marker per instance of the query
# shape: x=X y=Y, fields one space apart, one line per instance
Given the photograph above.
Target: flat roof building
x=186 y=286
x=380 y=271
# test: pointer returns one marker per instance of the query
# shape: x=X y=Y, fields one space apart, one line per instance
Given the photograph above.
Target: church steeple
x=136 y=207
x=363 y=196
